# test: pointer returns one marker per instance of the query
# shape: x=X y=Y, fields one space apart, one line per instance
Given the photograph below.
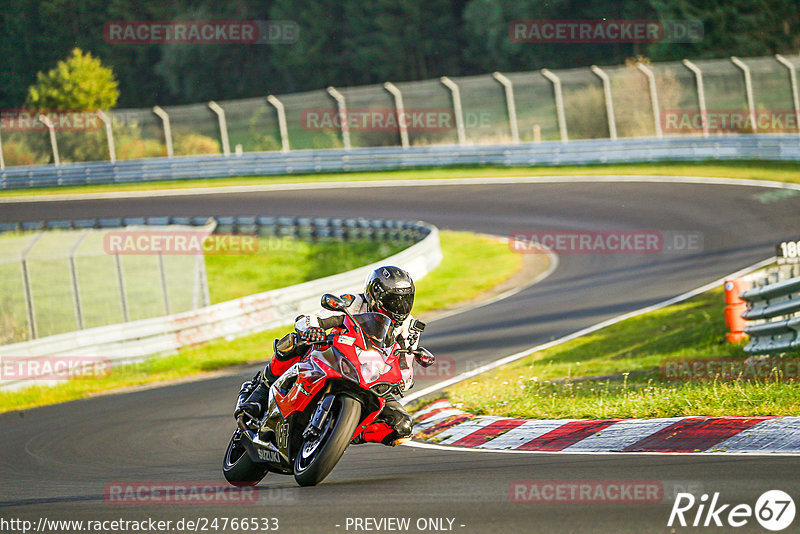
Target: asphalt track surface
x=56 y=461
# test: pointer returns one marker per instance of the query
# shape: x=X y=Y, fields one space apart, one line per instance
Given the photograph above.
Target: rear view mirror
x=332 y=302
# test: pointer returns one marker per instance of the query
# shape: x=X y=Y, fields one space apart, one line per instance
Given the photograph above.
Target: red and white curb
x=442 y=424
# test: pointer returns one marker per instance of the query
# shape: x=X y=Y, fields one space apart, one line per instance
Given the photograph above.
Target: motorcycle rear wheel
x=238 y=468
x=317 y=458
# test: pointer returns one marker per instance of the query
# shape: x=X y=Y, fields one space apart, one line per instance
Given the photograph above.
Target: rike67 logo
x=774 y=510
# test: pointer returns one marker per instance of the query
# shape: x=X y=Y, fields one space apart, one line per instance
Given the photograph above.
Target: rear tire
x=318 y=458
x=238 y=468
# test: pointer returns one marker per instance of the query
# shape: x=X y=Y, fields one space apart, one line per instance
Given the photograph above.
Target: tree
x=731 y=27
x=80 y=82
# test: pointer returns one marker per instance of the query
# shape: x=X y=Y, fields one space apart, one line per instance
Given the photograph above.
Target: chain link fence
x=704 y=97
x=59 y=281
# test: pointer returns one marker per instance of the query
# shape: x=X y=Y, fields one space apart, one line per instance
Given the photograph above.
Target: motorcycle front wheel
x=238 y=468
x=317 y=457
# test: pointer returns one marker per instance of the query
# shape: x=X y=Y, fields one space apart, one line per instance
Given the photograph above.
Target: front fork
x=314 y=428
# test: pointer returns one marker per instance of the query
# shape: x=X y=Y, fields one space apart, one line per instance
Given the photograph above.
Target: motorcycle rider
x=388 y=290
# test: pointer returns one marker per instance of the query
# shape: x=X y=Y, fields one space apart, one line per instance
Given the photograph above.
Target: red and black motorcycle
x=324 y=402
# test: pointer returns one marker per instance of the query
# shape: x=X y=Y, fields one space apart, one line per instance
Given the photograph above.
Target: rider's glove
x=424 y=358
x=312 y=335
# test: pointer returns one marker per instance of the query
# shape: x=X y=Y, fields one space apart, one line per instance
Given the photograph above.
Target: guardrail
x=777 y=304
x=622 y=150
x=135 y=340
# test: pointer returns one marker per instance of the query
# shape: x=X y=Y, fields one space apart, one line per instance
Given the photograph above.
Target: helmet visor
x=398 y=306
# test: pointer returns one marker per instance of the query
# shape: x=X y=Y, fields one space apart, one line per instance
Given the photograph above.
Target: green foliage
x=732 y=27
x=194 y=144
x=349 y=43
x=80 y=83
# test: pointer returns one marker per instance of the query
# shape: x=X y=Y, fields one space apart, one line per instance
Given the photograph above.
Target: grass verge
x=756 y=170
x=620 y=371
x=492 y=263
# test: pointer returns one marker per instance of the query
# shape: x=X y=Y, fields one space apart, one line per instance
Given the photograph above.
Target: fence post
x=562 y=119
x=73 y=275
x=512 y=106
x=33 y=330
x=167 y=129
x=162 y=276
x=278 y=105
x=459 y=113
x=223 y=127
x=53 y=144
x=123 y=297
x=612 y=121
x=748 y=89
x=200 y=294
x=651 y=82
x=400 y=109
x=793 y=82
x=344 y=126
x=112 y=151
x=701 y=94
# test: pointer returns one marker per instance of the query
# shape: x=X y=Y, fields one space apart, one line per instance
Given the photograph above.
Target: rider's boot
x=286 y=353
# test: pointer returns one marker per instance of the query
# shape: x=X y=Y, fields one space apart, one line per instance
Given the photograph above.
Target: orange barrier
x=734 y=309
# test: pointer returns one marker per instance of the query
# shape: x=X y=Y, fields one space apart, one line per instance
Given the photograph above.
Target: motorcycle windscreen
x=376 y=327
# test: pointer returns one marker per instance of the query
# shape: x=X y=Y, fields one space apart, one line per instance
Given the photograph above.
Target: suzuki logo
x=268 y=456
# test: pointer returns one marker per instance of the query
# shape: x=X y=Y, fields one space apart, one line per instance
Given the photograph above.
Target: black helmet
x=390 y=290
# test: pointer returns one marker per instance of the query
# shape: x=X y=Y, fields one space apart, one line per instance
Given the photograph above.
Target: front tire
x=238 y=468
x=317 y=458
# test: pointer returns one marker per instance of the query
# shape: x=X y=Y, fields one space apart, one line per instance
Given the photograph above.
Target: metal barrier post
x=701 y=94
x=512 y=107
x=162 y=276
x=123 y=297
x=200 y=294
x=33 y=329
x=112 y=151
x=400 y=109
x=73 y=275
x=344 y=125
x=612 y=122
x=748 y=89
x=278 y=105
x=450 y=84
x=562 y=120
x=53 y=144
x=223 y=127
x=167 y=129
x=651 y=82
x=793 y=81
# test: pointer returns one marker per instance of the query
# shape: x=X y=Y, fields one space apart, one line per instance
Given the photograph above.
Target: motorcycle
x=324 y=402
